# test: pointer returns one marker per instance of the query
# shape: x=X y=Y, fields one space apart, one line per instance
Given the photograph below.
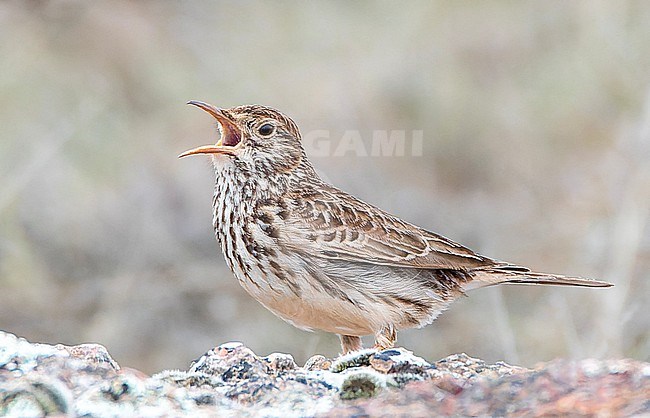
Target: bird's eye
x=266 y=129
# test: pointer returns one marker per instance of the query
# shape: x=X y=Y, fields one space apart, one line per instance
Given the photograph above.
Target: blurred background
x=536 y=150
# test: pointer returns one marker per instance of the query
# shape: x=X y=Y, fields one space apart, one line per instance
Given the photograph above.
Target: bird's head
x=256 y=139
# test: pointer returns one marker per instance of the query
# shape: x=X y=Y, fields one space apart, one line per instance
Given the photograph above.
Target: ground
x=231 y=380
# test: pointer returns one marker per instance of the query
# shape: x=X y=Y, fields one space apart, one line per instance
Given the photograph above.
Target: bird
x=320 y=258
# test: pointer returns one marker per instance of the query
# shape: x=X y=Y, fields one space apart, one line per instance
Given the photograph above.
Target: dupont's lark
x=320 y=258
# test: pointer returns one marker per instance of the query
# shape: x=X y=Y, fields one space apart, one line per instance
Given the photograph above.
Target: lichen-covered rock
x=469 y=387
x=231 y=380
x=40 y=380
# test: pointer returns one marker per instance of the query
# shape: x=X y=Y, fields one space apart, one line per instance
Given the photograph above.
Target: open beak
x=230 y=133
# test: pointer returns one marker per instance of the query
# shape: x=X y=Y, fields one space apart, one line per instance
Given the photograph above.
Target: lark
x=320 y=258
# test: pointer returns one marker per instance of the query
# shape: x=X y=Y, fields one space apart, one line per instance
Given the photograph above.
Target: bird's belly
x=303 y=303
x=355 y=312
x=322 y=312
x=334 y=296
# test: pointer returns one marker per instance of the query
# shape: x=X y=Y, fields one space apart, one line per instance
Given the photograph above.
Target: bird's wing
x=330 y=223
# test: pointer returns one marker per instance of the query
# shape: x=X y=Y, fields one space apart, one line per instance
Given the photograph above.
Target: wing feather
x=330 y=223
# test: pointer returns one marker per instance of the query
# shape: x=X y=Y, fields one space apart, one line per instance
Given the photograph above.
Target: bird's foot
x=350 y=343
x=385 y=338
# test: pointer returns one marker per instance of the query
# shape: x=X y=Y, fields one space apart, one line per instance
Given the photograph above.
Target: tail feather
x=518 y=275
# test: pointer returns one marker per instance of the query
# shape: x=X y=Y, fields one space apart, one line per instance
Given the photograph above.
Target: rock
x=469 y=387
x=279 y=362
x=231 y=380
x=90 y=353
x=317 y=362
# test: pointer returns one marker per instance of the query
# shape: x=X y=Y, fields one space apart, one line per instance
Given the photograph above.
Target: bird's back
x=330 y=224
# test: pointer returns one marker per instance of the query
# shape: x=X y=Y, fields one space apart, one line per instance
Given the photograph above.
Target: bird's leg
x=350 y=343
x=385 y=338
